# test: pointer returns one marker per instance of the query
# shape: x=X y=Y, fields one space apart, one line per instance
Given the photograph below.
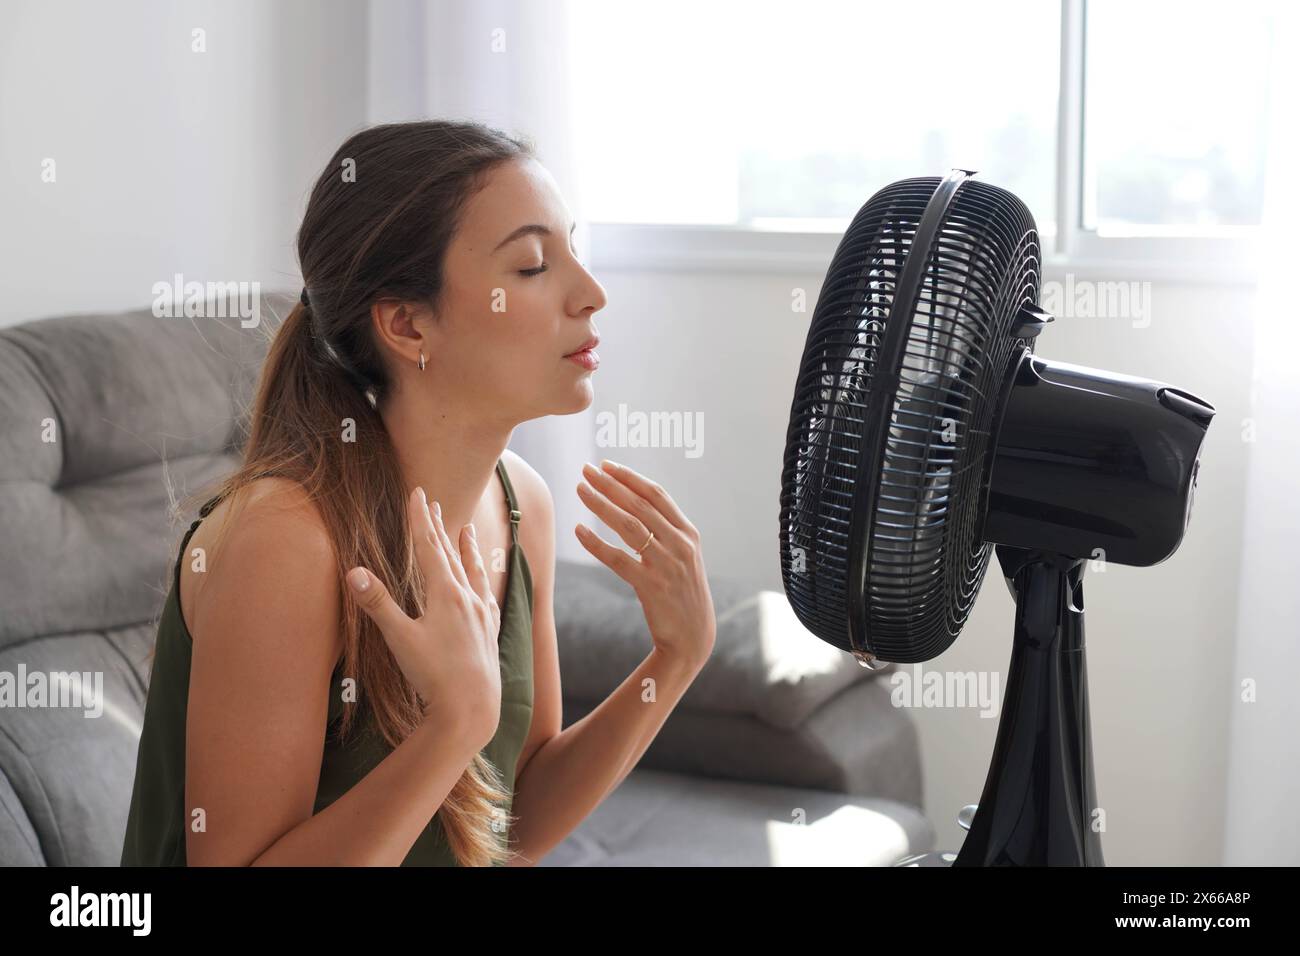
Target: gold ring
x=646 y=545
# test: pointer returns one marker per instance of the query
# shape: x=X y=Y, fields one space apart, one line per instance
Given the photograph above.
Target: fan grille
x=924 y=556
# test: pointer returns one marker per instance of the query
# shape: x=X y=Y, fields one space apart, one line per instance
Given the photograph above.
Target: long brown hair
x=377 y=225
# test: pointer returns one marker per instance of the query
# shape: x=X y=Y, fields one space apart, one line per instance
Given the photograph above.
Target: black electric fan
x=924 y=430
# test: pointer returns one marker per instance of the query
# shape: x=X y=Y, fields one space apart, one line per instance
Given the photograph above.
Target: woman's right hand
x=450 y=654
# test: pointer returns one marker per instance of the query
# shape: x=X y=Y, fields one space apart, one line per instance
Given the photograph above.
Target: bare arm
x=565 y=774
x=266 y=639
x=377 y=821
x=574 y=771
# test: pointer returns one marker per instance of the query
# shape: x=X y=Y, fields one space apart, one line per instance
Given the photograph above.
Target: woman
x=411 y=716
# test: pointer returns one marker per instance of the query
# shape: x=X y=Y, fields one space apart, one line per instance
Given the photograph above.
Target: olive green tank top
x=156 y=822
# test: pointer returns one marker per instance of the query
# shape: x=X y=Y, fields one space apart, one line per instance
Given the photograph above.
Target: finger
x=628 y=527
x=374 y=599
x=453 y=552
x=616 y=559
x=635 y=505
x=428 y=548
x=473 y=562
x=652 y=492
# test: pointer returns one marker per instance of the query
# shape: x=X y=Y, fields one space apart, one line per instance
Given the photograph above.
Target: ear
x=402 y=329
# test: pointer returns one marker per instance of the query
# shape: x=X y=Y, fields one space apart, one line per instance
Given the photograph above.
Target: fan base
x=928 y=859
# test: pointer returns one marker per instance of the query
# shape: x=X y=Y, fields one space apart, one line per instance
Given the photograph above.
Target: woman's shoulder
x=259 y=514
x=264 y=543
x=531 y=490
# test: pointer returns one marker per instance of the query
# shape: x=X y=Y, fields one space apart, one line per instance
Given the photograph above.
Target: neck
x=452 y=457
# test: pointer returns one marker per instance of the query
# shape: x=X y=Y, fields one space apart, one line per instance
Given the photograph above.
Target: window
x=725 y=134
x=772 y=114
x=1175 y=116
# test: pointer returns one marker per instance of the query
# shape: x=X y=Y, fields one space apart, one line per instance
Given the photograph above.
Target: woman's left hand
x=669 y=578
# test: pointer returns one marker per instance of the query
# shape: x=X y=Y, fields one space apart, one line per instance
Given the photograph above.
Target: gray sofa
x=782 y=752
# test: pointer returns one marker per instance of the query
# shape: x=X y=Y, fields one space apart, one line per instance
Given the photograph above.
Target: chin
x=578 y=399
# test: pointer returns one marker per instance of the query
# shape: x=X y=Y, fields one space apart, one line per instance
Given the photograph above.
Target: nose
x=601 y=298
x=591 y=296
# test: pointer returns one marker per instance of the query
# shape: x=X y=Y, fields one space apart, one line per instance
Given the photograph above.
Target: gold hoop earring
x=421 y=360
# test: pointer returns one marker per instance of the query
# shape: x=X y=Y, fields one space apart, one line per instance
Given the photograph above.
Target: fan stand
x=1039 y=805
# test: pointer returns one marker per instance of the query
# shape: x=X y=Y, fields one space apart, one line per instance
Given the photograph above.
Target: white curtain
x=503 y=63
x=1263 y=786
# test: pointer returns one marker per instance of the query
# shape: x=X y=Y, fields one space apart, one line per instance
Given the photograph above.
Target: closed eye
x=544 y=267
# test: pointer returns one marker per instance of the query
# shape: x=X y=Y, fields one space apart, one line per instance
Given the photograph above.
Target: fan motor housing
x=1094 y=464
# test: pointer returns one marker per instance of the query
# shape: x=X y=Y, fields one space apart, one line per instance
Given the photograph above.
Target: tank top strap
x=208 y=506
x=204 y=511
x=515 y=514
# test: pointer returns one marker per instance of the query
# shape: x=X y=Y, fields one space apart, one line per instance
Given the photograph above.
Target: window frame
x=1226 y=259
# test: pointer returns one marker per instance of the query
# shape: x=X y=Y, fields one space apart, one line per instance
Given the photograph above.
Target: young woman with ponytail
x=357 y=661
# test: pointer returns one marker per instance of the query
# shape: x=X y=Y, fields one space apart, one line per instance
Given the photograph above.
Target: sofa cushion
x=143 y=411
x=72 y=767
x=666 y=819
x=765 y=663
x=858 y=742
x=19 y=845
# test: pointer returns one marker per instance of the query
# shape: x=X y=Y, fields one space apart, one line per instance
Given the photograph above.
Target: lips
x=591 y=343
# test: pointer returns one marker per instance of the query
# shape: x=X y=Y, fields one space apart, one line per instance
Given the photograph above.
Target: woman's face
x=504 y=329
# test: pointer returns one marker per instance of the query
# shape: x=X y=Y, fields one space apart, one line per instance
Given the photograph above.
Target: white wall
x=1160 y=639
x=167 y=160
x=1264 y=772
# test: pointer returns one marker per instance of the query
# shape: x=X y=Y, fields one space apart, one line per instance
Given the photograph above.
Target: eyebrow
x=528 y=230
